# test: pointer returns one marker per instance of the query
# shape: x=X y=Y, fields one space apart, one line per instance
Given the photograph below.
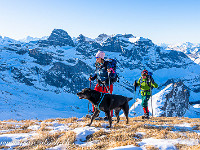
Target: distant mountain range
x=40 y=77
x=190 y=49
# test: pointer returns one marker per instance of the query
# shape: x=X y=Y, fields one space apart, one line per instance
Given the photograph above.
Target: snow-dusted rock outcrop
x=171 y=101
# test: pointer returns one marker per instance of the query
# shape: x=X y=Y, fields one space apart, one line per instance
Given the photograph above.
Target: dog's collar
x=100 y=99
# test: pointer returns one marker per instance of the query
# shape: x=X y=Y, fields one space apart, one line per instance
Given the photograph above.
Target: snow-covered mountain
x=29 y=39
x=190 y=49
x=40 y=79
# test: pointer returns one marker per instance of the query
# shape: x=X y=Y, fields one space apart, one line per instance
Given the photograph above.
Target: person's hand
x=109 y=70
x=90 y=79
x=135 y=83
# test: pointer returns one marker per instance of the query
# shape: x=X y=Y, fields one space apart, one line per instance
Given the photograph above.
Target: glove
x=135 y=84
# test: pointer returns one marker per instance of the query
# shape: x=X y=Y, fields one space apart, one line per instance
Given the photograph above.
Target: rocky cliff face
x=58 y=37
x=86 y=46
x=177 y=101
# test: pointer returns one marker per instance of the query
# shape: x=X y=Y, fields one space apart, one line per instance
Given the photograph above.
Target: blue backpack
x=113 y=64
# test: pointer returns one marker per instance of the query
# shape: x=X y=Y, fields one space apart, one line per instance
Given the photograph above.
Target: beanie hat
x=100 y=54
x=144 y=72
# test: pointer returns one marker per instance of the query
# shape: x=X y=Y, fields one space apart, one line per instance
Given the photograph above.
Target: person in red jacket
x=104 y=75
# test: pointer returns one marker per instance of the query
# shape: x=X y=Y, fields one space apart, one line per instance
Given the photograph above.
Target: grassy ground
x=121 y=134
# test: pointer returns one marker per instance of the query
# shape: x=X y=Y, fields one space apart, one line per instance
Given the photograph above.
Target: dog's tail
x=129 y=98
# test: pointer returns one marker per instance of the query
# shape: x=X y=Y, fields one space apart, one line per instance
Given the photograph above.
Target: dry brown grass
x=62 y=121
x=186 y=147
x=121 y=134
x=45 y=140
x=4 y=147
x=195 y=126
x=150 y=147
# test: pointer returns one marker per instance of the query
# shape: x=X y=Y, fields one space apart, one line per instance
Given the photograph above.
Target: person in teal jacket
x=146 y=84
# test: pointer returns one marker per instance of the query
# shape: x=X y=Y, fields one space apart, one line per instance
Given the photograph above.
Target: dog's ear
x=129 y=98
x=87 y=89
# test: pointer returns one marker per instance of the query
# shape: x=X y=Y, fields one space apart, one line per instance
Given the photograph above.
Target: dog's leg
x=117 y=114
x=125 y=109
x=109 y=118
x=94 y=116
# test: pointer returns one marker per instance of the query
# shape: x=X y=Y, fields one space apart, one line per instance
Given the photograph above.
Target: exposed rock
x=58 y=37
x=176 y=102
x=61 y=75
x=42 y=59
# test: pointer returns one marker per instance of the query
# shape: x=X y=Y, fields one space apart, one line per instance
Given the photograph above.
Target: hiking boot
x=99 y=118
x=105 y=118
x=145 y=116
x=88 y=116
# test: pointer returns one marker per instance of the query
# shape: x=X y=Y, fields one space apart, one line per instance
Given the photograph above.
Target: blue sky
x=162 y=21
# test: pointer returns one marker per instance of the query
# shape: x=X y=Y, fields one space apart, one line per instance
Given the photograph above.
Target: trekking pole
x=151 y=101
x=109 y=82
x=134 y=97
x=151 y=98
x=89 y=102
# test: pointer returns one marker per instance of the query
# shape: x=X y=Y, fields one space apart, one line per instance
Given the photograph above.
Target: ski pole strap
x=112 y=70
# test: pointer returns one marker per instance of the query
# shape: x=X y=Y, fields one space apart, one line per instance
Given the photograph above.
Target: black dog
x=106 y=102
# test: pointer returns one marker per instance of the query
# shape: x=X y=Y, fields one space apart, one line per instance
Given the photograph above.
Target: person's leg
x=145 y=105
x=98 y=88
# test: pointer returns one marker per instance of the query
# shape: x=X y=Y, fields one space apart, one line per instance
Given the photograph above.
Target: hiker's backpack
x=113 y=64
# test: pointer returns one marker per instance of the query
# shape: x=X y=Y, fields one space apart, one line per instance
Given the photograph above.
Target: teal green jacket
x=145 y=87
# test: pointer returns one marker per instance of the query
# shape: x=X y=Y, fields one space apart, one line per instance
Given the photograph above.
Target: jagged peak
x=58 y=30
x=81 y=38
x=102 y=35
x=58 y=37
x=58 y=33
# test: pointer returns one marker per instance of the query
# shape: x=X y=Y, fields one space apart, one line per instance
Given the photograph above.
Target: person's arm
x=93 y=77
x=138 y=82
x=153 y=83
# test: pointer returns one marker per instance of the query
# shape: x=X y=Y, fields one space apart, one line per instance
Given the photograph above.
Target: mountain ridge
x=57 y=67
